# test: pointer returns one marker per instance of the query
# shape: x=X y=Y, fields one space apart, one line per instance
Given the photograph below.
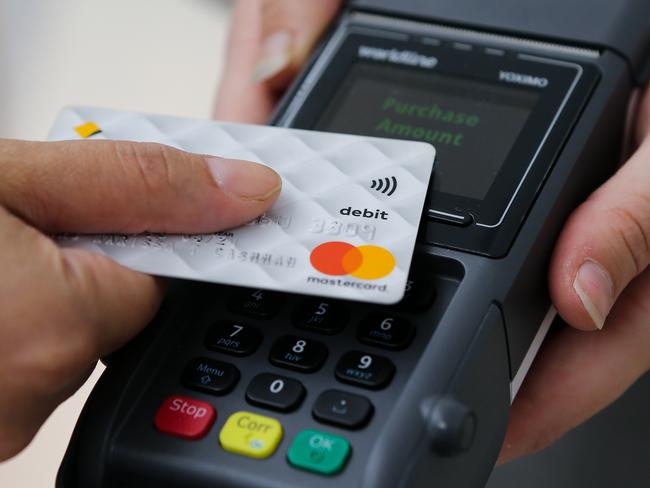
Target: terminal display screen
x=472 y=124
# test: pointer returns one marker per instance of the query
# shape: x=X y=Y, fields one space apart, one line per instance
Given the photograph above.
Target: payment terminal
x=526 y=103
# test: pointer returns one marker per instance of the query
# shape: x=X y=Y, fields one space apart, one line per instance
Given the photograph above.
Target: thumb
x=108 y=186
x=289 y=31
x=62 y=309
x=604 y=245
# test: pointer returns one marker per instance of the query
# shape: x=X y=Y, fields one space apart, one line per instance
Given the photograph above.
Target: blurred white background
x=153 y=55
x=160 y=56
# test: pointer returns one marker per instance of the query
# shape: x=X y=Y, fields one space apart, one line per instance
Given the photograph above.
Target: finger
x=643 y=122
x=290 y=29
x=577 y=374
x=107 y=186
x=60 y=310
x=240 y=98
x=604 y=245
x=269 y=42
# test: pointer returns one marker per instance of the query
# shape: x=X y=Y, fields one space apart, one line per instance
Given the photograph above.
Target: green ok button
x=317 y=451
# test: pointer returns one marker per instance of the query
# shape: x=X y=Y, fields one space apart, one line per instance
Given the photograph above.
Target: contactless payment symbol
x=385 y=185
x=366 y=262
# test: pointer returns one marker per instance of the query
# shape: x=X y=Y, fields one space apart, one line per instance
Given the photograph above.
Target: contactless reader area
x=497 y=120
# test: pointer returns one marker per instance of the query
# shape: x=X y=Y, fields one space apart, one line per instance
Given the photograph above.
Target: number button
x=343 y=409
x=322 y=316
x=261 y=304
x=386 y=331
x=298 y=353
x=275 y=392
x=233 y=338
x=363 y=369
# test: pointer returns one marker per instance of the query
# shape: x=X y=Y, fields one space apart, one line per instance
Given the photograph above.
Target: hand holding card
x=344 y=226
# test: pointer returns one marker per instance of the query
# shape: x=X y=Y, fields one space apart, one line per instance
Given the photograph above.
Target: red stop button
x=185 y=417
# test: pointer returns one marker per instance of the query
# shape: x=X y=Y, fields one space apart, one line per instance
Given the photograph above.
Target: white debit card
x=344 y=226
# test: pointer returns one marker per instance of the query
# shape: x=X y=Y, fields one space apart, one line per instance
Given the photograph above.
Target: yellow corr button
x=251 y=435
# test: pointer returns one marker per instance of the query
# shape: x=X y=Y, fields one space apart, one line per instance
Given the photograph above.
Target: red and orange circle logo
x=364 y=262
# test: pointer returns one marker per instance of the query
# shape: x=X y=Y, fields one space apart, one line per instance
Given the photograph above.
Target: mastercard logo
x=363 y=262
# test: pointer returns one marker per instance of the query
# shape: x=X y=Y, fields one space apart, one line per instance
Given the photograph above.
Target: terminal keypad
x=294 y=336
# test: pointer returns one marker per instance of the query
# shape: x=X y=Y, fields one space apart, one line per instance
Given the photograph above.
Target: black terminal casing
x=441 y=421
x=621 y=27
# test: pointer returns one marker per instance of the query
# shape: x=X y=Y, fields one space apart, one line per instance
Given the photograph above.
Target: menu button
x=210 y=376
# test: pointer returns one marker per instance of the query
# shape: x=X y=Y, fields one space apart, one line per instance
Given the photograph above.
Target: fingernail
x=250 y=181
x=596 y=291
x=275 y=56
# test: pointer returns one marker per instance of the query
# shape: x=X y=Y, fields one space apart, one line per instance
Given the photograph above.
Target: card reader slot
x=460 y=219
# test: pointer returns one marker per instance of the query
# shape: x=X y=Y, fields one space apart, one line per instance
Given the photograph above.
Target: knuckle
x=153 y=164
x=631 y=232
x=152 y=177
